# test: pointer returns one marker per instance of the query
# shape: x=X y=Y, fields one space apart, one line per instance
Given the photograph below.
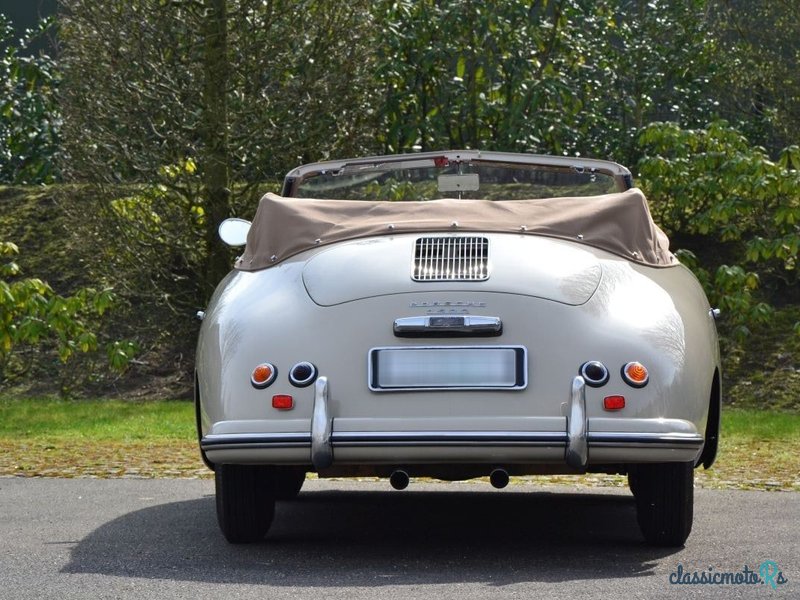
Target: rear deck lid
x=531 y=266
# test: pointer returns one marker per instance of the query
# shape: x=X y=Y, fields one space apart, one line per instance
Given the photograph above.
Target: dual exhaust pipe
x=400 y=479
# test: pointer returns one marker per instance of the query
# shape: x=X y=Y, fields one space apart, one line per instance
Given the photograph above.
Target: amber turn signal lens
x=263 y=375
x=635 y=374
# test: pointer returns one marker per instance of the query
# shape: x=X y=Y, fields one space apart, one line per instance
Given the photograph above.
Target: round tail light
x=263 y=375
x=635 y=374
x=594 y=373
x=302 y=374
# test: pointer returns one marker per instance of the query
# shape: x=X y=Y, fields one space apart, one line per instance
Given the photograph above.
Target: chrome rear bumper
x=584 y=442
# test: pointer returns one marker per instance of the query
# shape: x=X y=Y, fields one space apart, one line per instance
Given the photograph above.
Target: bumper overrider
x=585 y=441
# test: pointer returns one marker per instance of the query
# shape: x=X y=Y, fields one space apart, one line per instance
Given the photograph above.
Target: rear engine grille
x=451 y=259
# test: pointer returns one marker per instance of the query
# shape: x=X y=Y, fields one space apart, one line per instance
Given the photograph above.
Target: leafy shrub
x=32 y=314
x=711 y=186
x=29 y=118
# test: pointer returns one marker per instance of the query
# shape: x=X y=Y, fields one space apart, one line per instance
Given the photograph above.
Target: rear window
x=432 y=179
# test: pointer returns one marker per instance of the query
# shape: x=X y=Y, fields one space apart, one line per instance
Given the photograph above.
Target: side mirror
x=234 y=232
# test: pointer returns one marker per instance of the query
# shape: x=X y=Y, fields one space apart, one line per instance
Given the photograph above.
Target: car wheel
x=664 y=502
x=288 y=481
x=633 y=484
x=245 y=501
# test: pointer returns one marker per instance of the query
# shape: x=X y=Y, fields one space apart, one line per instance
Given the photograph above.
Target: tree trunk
x=214 y=134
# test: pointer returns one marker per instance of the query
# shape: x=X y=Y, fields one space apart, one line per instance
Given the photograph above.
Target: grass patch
x=96 y=438
x=101 y=421
x=760 y=425
x=758 y=450
x=62 y=438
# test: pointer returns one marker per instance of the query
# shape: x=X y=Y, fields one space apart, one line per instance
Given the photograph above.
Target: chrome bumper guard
x=321 y=426
x=577 y=452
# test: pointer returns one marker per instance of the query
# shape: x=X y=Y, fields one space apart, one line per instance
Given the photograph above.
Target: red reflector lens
x=282 y=402
x=614 y=402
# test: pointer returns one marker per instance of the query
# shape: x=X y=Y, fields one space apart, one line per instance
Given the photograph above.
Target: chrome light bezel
x=594 y=381
x=307 y=381
x=262 y=385
x=631 y=382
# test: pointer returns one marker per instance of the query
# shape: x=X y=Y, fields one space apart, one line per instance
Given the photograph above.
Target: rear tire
x=245 y=501
x=288 y=481
x=634 y=485
x=664 y=502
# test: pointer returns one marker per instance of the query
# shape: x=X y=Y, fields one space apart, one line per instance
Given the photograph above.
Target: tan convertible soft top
x=618 y=223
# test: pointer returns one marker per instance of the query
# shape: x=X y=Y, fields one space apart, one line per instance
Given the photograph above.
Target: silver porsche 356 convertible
x=456 y=315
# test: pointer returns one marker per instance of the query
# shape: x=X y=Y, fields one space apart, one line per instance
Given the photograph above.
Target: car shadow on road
x=333 y=538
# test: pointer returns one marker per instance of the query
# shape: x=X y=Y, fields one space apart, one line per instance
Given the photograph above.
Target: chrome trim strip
x=321 y=425
x=353 y=439
x=255 y=440
x=577 y=453
x=626 y=439
x=448 y=438
x=448 y=325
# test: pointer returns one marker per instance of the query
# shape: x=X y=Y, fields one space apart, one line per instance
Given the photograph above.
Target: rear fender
x=709 y=454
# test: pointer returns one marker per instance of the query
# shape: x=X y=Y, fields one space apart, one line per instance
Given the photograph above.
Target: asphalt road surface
x=138 y=538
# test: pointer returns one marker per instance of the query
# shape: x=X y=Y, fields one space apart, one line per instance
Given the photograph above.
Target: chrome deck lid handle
x=448 y=326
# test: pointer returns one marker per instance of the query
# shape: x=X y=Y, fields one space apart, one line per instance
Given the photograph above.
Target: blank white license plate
x=448 y=367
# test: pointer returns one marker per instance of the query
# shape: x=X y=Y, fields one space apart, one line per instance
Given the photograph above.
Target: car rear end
x=449 y=352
